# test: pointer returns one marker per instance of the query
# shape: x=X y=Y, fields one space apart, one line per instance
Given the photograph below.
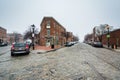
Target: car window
x=19 y=45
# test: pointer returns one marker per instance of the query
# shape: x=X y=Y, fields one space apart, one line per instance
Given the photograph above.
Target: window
x=48 y=32
x=48 y=24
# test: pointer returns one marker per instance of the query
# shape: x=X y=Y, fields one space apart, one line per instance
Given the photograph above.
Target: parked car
x=68 y=44
x=97 y=44
x=29 y=44
x=3 y=44
x=90 y=42
x=72 y=43
x=19 y=48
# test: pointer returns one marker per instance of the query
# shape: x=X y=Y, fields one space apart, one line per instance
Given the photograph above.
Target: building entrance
x=48 y=42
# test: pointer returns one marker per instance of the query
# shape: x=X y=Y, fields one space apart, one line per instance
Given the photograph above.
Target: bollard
x=52 y=46
x=114 y=46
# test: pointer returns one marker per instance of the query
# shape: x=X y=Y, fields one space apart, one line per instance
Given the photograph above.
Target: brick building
x=114 y=38
x=14 y=37
x=52 y=32
x=3 y=34
x=69 y=36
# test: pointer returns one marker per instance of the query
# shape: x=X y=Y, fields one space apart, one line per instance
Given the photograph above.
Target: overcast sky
x=77 y=16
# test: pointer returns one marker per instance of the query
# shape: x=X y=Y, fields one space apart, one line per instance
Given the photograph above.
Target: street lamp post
x=33 y=27
x=108 y=36
x=2 y=39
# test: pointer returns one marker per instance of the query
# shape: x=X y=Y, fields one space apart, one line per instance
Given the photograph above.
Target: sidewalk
x=110 y=48
x=44 y=49
x=37 y=47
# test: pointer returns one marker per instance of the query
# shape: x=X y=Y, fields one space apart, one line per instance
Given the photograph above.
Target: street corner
x=37 y=47
x=44 y=49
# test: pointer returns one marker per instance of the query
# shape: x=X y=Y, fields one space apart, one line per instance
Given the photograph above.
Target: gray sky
x=77 y=16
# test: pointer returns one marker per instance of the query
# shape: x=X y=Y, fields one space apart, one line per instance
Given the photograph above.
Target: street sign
x=108 y=36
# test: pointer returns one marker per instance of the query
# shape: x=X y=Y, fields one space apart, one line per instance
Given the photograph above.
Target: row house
x=3 y=34
x=52 y=32
x=114 y=38
x=14 y=37
x=69 y=36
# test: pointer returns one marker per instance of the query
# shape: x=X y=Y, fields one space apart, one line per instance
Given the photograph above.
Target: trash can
x=112 y=46
x=116 y=46
x=52 y=46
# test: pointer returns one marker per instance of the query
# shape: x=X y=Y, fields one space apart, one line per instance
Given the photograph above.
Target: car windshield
x=28 y=42
x=19 y=44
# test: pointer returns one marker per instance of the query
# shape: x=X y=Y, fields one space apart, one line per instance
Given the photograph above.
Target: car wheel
x=12 y=54
x=27 y=52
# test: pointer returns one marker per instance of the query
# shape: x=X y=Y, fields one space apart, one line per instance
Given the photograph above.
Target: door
x=47 y=42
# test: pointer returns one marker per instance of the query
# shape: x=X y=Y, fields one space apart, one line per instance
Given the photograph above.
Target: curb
x=111 y=49
x=49 y=51
x=54 y=49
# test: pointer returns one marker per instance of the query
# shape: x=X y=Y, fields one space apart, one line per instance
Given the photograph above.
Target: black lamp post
x=33 y=28
x=108 y=36
x=2 y=39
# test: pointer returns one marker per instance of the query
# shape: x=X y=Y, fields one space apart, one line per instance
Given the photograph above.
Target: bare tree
x=11 y=39
x=88 y=37
x=28 y=33
x=75 y=38
x=16 y=36
x=102 y=29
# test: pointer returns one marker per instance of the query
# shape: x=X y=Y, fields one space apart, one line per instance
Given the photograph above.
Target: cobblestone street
x=79 y=62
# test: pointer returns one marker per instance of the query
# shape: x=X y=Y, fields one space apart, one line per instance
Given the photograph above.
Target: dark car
x=29 y=44
x=97 y=44
x=68 y=44
x=19 y=48
x=3 y=44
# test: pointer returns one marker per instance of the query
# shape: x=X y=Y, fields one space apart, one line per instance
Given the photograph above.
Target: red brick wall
x=114 y=35
x=3 y=34
x=56 y=31
x=70 y=38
